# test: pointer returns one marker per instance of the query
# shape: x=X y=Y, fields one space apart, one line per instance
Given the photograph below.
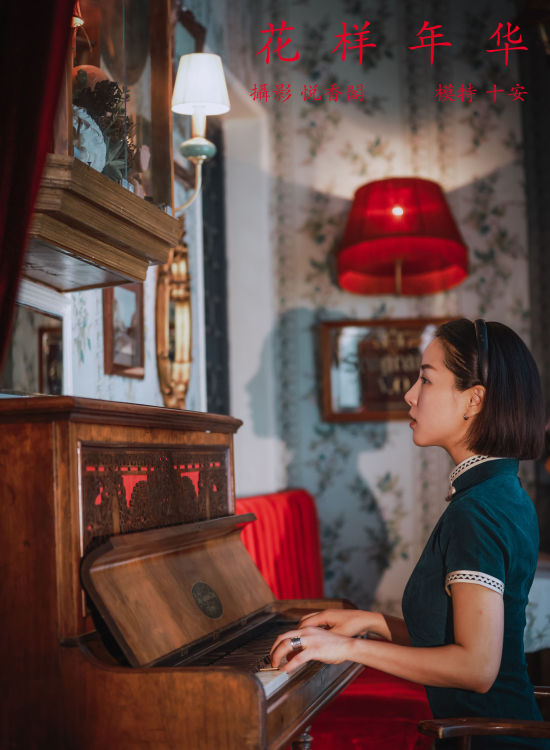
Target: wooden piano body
x=133 y=488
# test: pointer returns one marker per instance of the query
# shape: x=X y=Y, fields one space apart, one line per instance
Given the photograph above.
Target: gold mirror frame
x=174 y=294
x=173 y=320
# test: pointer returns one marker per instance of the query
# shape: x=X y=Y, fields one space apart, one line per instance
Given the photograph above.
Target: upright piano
x=131 y=615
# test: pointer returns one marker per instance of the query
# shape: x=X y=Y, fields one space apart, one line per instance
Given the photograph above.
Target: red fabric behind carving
x=377 y=711
x=34 y=39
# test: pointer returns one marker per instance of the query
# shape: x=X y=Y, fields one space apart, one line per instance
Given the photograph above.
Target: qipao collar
x=477 y=469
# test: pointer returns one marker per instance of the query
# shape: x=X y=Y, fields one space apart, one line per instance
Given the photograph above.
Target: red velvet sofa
x=377 y=711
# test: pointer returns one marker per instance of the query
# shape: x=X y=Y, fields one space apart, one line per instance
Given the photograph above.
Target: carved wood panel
x=127 y=489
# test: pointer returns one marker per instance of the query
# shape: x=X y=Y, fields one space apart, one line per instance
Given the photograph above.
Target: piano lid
x=162 y=590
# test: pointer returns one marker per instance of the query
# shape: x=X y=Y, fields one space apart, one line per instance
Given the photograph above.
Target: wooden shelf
x=88 y=232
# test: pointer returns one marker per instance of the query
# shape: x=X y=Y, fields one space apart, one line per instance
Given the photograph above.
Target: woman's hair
x=511 y=421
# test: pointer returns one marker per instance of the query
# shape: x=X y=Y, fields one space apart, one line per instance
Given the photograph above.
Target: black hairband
x=482 y=349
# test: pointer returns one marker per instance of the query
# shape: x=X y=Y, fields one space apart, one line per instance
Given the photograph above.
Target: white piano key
x=272 y=680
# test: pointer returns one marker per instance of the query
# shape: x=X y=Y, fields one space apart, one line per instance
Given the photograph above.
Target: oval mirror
x=173 y=327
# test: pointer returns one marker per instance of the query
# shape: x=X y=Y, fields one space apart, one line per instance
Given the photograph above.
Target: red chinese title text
x=504 y=39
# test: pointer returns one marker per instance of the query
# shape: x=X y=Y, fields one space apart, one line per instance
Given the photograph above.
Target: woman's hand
x=352 y=622
x=348 y=622
x=317 y=643
x=470 y=663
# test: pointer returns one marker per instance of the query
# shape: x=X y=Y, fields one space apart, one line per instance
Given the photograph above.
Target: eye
x=423 y=379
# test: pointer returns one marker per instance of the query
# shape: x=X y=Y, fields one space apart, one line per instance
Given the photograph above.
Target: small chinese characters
x=281 y=92
x=444 y=92
x=447 y=92
x=505 y=39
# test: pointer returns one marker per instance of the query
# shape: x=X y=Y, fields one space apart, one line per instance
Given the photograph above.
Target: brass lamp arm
x=198 y=161
x=197 y=149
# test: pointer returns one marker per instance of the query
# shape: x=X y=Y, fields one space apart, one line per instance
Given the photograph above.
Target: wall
x=253 y=394
x=89 y=379
x=378 y=495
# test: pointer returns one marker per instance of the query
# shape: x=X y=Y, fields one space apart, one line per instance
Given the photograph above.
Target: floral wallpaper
x=89 y=378
x=378 y=495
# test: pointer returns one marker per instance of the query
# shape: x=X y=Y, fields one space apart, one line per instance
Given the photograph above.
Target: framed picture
x=368 y=366
x=123 y=330
x=50 y=360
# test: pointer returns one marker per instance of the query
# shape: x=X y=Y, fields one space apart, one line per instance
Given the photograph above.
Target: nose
x=411 y=395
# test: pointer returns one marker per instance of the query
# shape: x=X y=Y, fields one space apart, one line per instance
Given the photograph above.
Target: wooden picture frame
x=123 y=331
x=368 y=366
x=50 y=360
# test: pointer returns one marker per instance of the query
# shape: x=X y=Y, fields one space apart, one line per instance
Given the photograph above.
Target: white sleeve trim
x=473 y=576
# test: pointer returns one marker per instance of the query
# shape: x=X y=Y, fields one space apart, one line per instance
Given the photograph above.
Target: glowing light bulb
x=397 y=211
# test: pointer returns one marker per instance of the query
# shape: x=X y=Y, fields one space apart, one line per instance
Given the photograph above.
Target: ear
x=475 y=401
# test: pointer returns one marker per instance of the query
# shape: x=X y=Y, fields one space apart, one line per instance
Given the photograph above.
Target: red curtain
x=34 y=39
x=288 y=554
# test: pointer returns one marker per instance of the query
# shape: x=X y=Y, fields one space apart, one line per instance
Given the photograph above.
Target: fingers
x=283 y=648
x=310 y=623
x=306 y=619
x=317 y=644
x=316 y=619
x=286 y=637
x=298 y=658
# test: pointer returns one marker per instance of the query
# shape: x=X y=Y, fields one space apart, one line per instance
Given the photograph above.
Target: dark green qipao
x=487 y=535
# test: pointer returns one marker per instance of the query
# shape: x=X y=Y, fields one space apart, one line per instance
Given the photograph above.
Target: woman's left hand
x=317 y=644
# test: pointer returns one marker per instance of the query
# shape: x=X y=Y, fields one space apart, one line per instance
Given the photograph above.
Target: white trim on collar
x=463 y=466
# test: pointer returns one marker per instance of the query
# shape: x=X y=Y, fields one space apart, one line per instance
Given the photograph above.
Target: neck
x=460 y=453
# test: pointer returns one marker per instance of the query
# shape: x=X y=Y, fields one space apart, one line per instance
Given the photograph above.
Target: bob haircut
x=511 y=421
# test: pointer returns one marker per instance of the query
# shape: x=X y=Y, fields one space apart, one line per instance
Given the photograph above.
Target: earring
x=465 y=417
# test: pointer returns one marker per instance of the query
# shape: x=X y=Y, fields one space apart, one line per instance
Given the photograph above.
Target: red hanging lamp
x=401 y=238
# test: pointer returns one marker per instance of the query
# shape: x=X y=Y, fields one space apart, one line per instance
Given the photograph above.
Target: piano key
x=272 y=681
x=253 y=656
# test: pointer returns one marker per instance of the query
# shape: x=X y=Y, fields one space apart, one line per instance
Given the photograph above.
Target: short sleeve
x=474 y=550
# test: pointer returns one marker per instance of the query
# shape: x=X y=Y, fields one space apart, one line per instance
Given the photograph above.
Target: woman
x=479 y=397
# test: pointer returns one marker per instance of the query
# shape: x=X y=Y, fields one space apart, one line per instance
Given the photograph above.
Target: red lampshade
x=401 y=238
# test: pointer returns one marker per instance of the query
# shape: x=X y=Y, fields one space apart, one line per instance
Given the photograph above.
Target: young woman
x=479 y=397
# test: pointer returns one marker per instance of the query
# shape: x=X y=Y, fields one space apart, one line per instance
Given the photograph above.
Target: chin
x=417 y=440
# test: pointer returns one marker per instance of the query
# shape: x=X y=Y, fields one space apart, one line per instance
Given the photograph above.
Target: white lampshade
x=200 y=85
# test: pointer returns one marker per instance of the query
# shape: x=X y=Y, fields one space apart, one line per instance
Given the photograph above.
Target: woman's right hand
x=349 y=622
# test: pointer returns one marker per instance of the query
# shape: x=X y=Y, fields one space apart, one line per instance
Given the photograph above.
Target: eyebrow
x=427 y=367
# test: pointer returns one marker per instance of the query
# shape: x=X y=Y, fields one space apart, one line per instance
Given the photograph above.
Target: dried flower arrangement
x=105 y=102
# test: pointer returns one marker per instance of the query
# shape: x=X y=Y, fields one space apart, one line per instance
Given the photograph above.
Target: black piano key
x=252 y=655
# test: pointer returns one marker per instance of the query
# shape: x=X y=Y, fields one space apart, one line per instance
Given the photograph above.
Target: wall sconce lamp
x=200 y=90
x=401 y=238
